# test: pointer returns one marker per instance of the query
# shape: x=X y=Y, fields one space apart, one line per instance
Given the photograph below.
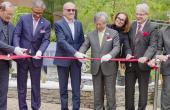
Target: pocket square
x=42 y=31
x=108 y=38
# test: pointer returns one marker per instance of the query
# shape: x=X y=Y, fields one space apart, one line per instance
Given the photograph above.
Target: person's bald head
x=69 y=9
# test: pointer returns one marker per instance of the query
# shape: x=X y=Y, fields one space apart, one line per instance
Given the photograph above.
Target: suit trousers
x=131 y=75
x=74 y=71
x=4 y=78
x=104 y=84
x=22 y=75
x=165 y=94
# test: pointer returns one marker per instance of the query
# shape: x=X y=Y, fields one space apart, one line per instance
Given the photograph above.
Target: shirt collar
x=102 y=31
x=68 y=20
x=35 y=20
x=143 y=24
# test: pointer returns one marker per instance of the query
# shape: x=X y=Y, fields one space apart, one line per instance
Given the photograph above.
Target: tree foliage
x=88 y=8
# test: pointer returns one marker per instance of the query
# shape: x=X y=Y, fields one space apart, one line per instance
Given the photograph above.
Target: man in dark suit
x=104 y=43
x=163 y=54
x=6 y=33
x=143 y=45
x=70 y=36
x=33 y=33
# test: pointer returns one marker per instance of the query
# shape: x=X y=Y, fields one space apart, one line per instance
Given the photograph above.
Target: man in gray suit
x=164 y=48
x=143 y=45
x=104 y=43
x=6 y=32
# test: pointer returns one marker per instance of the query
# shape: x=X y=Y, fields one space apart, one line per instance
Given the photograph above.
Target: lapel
x=31 y=24
x=146 y=27
x=106 y=33
x=75 y=29
x=133 y=33
x=39 y=27
x=10 y=34
x=10 y=28
x=68 y=28
x=96 y=39
x=1 y=28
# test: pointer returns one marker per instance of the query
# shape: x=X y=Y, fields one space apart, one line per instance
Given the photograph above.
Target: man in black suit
x=6 y=31
x=143 y=46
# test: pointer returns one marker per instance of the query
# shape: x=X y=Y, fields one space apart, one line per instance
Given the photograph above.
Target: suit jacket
x=6 y=48
x=164 y=48
x=24 y=38
x=110 y=45
x=65 y=45
x=146 y=43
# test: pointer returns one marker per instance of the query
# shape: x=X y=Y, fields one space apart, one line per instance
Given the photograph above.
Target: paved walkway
x=13 y=105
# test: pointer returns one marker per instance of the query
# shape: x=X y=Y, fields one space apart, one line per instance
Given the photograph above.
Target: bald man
x=70 y=36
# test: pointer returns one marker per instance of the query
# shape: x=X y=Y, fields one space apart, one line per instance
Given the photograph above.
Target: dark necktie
x=138 y=31
x=5 y=28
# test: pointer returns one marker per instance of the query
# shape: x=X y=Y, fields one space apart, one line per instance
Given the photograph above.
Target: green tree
x=88 y=8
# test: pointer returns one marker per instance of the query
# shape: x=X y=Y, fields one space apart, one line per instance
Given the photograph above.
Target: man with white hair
x=33 y=33
x=143 y=46
x=104 y=43
x=6 y=34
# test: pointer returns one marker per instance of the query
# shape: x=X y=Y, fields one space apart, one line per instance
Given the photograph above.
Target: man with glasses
x=143 y=45
x=6 y=34
x=69 y=33
x=33 y=33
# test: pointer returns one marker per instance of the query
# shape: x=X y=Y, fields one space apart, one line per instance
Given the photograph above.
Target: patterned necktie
x=138 y=29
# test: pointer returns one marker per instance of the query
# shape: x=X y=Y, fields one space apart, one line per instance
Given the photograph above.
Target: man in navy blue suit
x=33 y=33
x=70 y=36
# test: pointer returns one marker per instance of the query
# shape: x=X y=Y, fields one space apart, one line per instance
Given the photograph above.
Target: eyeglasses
x=122 y=20
x=69 y=10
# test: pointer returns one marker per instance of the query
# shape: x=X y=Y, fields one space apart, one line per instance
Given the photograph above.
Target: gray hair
x=38 y=3
x=143 y=7
x=6 y=5
x=101 y=15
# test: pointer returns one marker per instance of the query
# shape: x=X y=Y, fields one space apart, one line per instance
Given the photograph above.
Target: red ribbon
x=65 y=58
x=12 y=57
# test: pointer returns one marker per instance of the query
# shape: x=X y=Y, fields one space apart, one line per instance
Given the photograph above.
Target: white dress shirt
x=100 y=35
x=142 y=26
x=71 y=26
x=35 y=23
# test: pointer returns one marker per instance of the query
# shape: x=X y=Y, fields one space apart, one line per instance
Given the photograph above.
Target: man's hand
x=106 y=57
x=162 y=57
x=142 y=59
x=129 y=56
x=80 y=55
x=152 y=63
x=8 y=57
x=38 y=55
x=20 y=51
